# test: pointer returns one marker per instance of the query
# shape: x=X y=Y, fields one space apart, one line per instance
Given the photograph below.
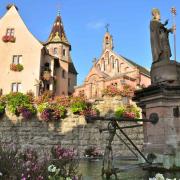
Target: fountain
x=162 y=97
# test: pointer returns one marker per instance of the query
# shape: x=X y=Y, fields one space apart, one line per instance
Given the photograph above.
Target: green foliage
x=78 y=107
x=45 y=97
x=15 y=100
x=61 y=109
x=2 y=107
x=130 y=111
x=135 y=110
x=43 y=106
x=120 y=111
x=19 y=67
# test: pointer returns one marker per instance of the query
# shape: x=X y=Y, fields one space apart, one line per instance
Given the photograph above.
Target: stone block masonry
x=73 y=131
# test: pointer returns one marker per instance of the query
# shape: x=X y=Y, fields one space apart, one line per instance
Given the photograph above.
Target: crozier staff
x=159 y=38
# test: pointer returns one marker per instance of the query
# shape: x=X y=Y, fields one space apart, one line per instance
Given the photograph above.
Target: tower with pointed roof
x=59 y=46
x=44 y=66
x=108 y=40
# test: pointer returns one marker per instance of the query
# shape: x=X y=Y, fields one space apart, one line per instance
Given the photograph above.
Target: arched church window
x=117 y=65
x=104 y=65
x=112 y=61
x=107 y=56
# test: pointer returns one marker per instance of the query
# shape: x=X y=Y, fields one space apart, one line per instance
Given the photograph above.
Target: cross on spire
x=58 y=12
x=107 y=27
x=58 y=9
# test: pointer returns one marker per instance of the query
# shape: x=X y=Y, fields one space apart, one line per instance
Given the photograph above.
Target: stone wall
x=73 y=131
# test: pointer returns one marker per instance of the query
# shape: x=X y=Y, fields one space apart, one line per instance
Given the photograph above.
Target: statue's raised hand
x=166 y=22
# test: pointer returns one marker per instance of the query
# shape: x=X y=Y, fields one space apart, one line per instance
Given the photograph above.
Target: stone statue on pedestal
x=159 y=38
x=163 y=70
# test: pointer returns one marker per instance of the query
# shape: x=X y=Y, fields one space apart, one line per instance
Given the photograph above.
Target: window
x=63 y=74
x=17 y=59
x=104 y=65
x=10 y=32
x=113 y=63
x=55 y=51
x=107 y=40
x=16 y=87
x=117 y=65
x=64 y=52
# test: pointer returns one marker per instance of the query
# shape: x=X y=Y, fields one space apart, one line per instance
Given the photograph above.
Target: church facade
x=26 y=64
x=112 y=69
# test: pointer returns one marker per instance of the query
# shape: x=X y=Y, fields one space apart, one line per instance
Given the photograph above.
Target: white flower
x=1 y=174
x=52 y=168
x=159 y=177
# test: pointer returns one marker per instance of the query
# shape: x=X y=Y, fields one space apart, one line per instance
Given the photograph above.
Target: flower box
x=8 y=38
x=16 y=67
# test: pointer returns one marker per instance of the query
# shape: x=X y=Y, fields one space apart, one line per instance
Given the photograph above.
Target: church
x=27 y=64
x=112 y=69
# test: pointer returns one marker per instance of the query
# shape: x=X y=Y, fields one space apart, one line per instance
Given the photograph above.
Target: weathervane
x=173 y=11
x=107 y=27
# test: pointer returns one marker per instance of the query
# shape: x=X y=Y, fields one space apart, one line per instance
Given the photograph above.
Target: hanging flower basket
x=16 y=67
x=46 y=75
x=9 y=38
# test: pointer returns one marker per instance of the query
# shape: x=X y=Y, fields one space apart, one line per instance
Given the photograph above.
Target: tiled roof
x=141 y=69
x=57 y=33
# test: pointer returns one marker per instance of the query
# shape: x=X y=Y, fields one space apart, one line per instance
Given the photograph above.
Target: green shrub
x=43 y=106
x=19 y=67
x=120 y=111
x=61 y=109
x=2 y=108
x=130 y=111
x=134 y=109
x=16 y=100
x=51 y=111
x=78 y=107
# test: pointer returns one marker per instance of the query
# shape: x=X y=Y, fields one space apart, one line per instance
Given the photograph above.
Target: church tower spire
x=108 y=40
x=57 y=34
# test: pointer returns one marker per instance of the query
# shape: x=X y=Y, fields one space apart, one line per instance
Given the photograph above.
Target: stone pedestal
x=165 y=72
x=163 y=138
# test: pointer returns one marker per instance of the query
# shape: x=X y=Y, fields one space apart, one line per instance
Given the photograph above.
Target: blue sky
x=84 y=22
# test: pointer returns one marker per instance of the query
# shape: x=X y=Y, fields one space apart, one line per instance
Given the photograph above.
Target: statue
x=159 y=38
